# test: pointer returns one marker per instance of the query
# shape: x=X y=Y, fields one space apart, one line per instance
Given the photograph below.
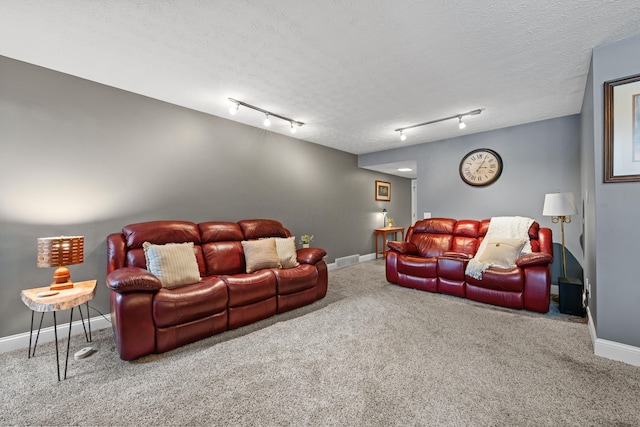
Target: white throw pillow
x=260 y=254
x=174 y=264
x=287 y=253
x=502 y=252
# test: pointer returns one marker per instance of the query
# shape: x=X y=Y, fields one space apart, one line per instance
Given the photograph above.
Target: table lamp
x=60 y=252
x=560 y=207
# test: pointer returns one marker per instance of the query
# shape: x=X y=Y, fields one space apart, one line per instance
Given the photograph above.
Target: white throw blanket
x=504 y=227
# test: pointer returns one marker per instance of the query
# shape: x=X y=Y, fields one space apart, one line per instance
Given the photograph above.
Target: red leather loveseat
x=149 y=318
x=435 y=254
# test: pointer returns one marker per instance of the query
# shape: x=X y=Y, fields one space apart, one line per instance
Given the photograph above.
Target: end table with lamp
x=62 y=293
x=384 y=231
x=45 y=300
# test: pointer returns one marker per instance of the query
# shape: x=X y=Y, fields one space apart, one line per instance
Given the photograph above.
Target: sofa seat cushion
x=500 y=279
x=296 y=279
x=248 y=288
x=417 y=266
x=452 y=268
x=191 y=302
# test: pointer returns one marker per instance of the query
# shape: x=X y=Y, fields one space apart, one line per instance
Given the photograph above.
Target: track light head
x=234 y=108
x=461 y=124
x=293 y=129
x=402 y=136
x=267 y=122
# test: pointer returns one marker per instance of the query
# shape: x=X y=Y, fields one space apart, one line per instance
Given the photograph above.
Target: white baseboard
x=14 y=342
x=554 y=290
x=611 y=349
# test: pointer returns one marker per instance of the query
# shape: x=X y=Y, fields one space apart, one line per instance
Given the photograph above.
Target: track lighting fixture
x=267 y=121
x=234 y=108
x=461 y=124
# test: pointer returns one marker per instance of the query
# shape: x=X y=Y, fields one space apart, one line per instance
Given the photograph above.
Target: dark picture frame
x=622 y=129
x=383 y=191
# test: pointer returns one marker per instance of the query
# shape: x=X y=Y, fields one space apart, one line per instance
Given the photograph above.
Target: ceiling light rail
x=267 y=122
x=461 y=124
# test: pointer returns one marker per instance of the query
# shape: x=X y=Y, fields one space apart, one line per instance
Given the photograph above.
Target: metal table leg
x=55 y=331
x=66 y=362
x=37 y=335
x=30 y=335
x=89 y=321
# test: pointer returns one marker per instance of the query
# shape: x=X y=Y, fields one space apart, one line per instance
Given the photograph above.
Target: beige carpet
x=370 y=353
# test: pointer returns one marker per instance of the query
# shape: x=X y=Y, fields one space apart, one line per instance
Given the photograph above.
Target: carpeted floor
x=370 y=353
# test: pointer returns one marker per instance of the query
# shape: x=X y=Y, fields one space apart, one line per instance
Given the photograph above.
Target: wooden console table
x=383 y=232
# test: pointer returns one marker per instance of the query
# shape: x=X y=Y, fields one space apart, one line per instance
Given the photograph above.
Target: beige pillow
x=260 y=254
x=502 y=252
x=287 y=254
x=174 y=264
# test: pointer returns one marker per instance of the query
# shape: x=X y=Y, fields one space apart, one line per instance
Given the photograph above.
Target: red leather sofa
x=148 y=318
x=435 y=254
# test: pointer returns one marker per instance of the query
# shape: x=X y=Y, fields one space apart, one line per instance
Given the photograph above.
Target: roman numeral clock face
x=480 y=167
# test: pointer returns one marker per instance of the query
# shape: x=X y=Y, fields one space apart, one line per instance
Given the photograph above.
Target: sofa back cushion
x=435 y=226
x=432 y=245
x=434 y=236
x=260 y=228
x=465 y=236
x=160 y=233
x=222 y=247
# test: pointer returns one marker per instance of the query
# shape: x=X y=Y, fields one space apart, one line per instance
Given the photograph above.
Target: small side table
x=82 y=292
x=383 y=232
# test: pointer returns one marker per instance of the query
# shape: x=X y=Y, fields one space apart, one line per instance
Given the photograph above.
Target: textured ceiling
x=352 y=70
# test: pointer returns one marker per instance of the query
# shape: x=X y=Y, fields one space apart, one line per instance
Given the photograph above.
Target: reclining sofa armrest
x=311 y=255
x=131 y=279
x=534 y=258
x=403 y=247
x=460 y=255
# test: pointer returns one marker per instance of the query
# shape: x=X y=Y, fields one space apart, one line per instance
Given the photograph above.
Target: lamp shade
x=559 y=204
x=60 y=252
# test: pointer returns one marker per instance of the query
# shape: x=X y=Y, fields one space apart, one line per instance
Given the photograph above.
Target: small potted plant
x=305 y=239
x=390 y=222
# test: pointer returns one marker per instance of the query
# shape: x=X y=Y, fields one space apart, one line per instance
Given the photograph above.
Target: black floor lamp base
x=570 y=290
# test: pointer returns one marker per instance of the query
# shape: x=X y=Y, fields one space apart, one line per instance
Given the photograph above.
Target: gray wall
x=616 y=281
x=81 y=158
x=539 y=158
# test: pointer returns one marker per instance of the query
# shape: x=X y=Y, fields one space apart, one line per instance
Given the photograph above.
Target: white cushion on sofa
x=287 y=253
x=174 y=264
x=502 y=252
x=260 y=254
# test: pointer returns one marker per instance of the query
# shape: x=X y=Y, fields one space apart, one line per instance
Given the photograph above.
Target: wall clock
x=480 y=167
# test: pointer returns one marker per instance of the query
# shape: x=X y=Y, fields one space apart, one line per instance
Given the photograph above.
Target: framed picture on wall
x=622 y=129
x=383 y=191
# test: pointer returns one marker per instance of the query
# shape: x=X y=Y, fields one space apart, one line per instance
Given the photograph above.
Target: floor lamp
x=560 y=207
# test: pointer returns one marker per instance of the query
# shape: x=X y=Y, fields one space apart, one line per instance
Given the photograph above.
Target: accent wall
x=81 y=158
